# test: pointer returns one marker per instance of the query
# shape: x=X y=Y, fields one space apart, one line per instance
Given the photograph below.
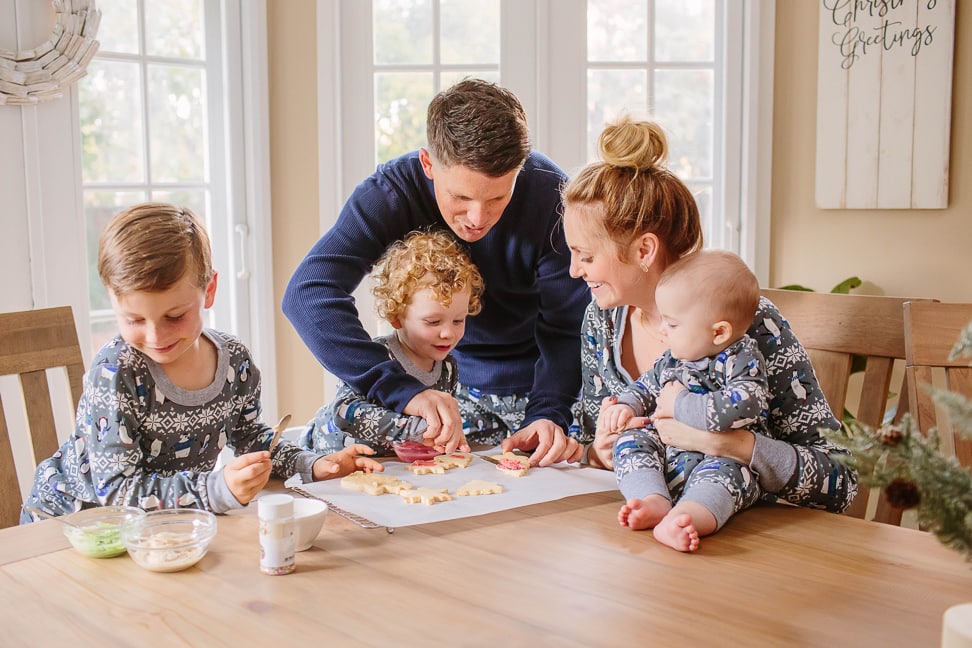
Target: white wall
x=42 y=234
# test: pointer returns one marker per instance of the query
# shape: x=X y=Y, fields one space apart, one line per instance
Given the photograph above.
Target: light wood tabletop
x=560 y=573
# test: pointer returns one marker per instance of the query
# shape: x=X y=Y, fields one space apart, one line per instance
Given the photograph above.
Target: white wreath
x=40 y=74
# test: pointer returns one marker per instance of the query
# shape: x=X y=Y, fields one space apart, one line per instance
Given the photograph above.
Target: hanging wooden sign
x=884 y=97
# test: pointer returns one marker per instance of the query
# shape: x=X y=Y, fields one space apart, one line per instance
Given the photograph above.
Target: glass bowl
x=97 y=532
x=171 y=539
x=409 y=451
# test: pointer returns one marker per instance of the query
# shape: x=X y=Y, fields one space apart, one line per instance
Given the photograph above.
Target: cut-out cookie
x=374 y=483
x=512 y=464
x=454 y=460
x=479 y=487
x=426 y=467
x=425 y=495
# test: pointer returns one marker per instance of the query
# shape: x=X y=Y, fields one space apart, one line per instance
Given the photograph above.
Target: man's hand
x=247 y=474
x=441 y=412
x=547 y=440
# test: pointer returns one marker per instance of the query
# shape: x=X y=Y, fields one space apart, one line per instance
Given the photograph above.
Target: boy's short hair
x=722 y=280
x=151 y=247
x=431 y=260
x=479 y=125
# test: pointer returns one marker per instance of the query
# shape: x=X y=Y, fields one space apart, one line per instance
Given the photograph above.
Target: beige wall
x=291 y=27
x=897 y=252
x=911 y=253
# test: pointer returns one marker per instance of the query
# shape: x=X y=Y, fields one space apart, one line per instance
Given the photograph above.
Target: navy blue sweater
x=525 y=339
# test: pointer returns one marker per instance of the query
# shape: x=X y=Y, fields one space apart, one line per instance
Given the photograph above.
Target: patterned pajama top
x=352 y=418
x=140 y=440
x=723 y=392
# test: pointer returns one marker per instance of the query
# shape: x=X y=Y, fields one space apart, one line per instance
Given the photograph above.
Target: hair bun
x=630 y=144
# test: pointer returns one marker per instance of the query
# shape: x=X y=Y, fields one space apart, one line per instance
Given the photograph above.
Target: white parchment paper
x=538 y=485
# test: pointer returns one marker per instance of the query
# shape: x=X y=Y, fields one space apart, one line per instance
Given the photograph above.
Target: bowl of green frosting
x=97 y=532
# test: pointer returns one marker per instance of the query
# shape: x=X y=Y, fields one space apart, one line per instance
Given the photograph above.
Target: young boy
x=424 y=286
x=712 y=377
x=163 y=397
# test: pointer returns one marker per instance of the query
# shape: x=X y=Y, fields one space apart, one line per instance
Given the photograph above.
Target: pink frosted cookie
x=512 y=464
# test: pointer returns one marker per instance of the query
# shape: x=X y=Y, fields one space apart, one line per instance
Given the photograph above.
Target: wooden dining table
x=560 y=573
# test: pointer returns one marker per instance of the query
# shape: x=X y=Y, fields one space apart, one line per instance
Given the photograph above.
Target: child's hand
x=247 y=474
x=345 y=462
x=441 y=412
x=615 y=418
x=665 y=407
x=447 y=441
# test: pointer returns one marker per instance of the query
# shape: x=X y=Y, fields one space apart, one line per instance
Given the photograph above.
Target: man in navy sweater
x=519 y=361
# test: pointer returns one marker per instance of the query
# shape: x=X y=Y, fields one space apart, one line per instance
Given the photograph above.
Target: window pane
x=194 y=199
x=470 y=31
x=177 y=117
x=402 y=31
x=617 y=30
x=684 y=30
x=401 y=101
x=118 y=31
x=447 y=79
x=174 y=28
x=712 y=236
x=684 y=106
x=99 y=207
x=110 y=108
x=610 y=93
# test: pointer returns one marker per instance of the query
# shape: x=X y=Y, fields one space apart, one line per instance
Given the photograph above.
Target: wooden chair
x=836 y=327
x=30 y=343
x=931 y=330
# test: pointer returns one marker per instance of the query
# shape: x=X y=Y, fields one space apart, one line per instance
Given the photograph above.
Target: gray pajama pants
x=644 y=466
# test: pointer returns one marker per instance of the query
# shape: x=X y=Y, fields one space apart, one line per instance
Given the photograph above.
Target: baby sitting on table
x=163 y=397
x=712 y=377
x=425 y=287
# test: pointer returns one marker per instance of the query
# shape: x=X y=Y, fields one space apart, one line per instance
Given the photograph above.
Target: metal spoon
x=277 y=429
x=44 y=516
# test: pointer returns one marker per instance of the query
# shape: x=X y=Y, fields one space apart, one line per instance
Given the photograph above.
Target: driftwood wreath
x=42 y=73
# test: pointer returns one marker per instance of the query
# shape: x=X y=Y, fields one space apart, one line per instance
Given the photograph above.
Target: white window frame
x=49 y=267
x=541 y=62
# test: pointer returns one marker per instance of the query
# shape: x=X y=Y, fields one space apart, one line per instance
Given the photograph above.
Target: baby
x=424 y=286
x=713 y=377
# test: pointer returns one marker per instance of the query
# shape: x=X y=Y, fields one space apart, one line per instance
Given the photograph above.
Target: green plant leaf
x=846 y=285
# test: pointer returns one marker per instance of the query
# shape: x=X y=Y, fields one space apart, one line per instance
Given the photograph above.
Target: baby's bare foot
x=678 y=532
x=638 y=514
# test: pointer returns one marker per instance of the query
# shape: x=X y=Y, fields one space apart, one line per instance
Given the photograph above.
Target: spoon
x=44 y=516
x=277 y=429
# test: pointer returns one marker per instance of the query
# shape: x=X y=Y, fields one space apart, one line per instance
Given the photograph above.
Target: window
x=692 y=65
x=171 y=111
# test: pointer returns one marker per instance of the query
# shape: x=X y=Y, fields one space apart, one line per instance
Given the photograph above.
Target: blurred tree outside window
x=145 y=125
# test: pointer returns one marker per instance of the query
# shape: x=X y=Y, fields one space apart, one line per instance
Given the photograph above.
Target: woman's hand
x=665 y=404
x=735 y=444
x=345 y=462
x=547 y=440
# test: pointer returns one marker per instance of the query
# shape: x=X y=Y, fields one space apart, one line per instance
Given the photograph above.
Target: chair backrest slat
x=31 y=342
x=931 y=330
x=834 y=328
